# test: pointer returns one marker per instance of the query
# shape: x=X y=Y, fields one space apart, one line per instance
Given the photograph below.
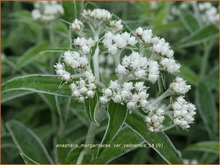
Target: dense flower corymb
x=47 y=11
x=139 y=62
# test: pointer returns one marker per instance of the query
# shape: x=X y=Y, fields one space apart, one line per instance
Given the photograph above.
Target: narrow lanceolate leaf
x=117 y=114
x=49 y=100
x=189 y=20
x=36 y=83
x=209 y=146
x=207 y=109
x=162 y=14
x=27 y=160
x=32 y=54
x=14 y=94
x=72 y=10
x=168 y=152
x=213 y=77
x=72 y=156
x=91 y=105
x=63 y=107
x=188 y=74
x=124 y=137
x=28 y=143
x=201 y=35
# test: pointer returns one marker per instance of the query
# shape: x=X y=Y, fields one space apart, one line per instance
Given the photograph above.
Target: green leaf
x=6 y=141
x=48 y=84
x=142 y=156
x=209 y=158
x=72 y=156
x=213 y=77
x=161 y=15
x=188 y=74
x=176 y=24
x=72 y=10
x=27 y=160
x=91 y=105
x=189 y=20
x=63 y=107
x=125 y=136
x=27 y=142
x=31 y=54
x=14 y=94
x=207 y=109
x=168 y=152
x=49 y=100
x=201 y=35
x=117 y=114
x=208 y=146
x=25 y=17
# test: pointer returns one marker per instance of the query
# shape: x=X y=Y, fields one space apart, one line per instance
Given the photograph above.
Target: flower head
x=47 y=11
x=183 y=113
x=179 y=86
x=139 y=63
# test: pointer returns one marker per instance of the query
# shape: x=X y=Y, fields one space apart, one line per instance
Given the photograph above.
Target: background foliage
x=36 y=116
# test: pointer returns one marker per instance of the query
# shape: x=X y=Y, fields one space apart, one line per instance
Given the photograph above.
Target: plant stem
x=167 y=93
x=195 y=8
x=96 y=63
x=100 y=115
x=167 y=128
x=70 y=37
x=80 y=158
x=207 y=48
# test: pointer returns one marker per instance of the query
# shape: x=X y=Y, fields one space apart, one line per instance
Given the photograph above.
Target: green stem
x=100 y=115
x=207 y=49
x=167 y=128
x=96 y=63
x=167 y=93
x=197 y=14
x=80 y=158
x=52 y=42
x=70 y=37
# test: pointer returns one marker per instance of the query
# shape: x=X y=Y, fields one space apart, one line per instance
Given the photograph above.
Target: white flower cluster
x=179 y=86
x=134 y=96
x=154 y=120
x=153 y=5
x=161 y=47
x=170 y=65
x=134 y=67
x=77 y=25
x=116 y=26
x=139 y=66
x=97 y=14
x=47 y=11
x=190 y=161
x=61 y=72
x=115 y=42
x=209 y=13
x=183 y=113
x=146 y=35
x=84 y=88
x=75 y=60
x=84 y=44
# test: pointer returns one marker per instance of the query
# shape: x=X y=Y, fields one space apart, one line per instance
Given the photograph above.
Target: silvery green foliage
x=46 y=11
x=139 y=58
x=208 y=12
